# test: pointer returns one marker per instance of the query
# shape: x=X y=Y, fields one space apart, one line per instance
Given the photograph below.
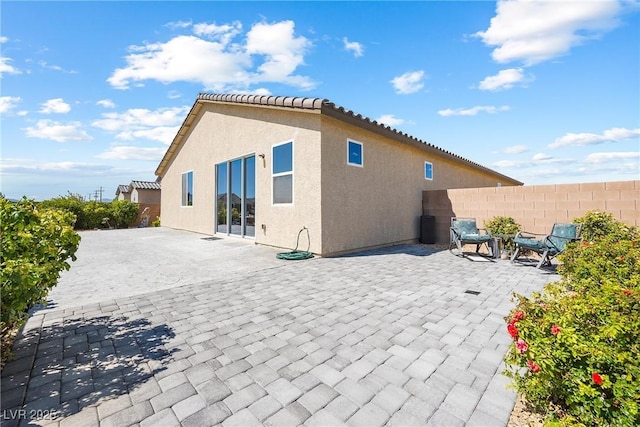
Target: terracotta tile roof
x=325 y=107
x=145 y=185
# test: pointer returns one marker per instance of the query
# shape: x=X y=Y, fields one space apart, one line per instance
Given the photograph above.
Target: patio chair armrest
x=529 y=235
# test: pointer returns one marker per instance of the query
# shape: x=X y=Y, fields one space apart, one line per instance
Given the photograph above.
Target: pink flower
x=522 y=346
x=596 y=378
x=517 y=316
x=555 y=329
x=533 y=366
x=513 y=331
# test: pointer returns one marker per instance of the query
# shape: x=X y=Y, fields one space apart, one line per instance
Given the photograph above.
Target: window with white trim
x=282 y=173
x=187 y=188
x=354 y=153
x=428 y=171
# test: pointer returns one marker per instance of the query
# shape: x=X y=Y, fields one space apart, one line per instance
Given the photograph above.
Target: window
x=282 y=173
x=428 y=170
x=187 y=189
x=354 y=153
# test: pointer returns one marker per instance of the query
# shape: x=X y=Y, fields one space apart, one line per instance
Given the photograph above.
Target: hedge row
x=36 y=244
x=91 y=214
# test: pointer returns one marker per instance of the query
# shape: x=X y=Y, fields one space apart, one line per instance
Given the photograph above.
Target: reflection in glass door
x=236 y=183
x=221 y=198
x=249 y=213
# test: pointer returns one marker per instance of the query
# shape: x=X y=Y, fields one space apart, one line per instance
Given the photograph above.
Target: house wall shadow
x=62 y=368
x=438 y=204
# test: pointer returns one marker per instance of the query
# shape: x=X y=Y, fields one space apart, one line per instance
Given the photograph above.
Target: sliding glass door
x=236 y=197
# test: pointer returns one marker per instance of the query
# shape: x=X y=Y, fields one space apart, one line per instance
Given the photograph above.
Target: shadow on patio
x=62 y=368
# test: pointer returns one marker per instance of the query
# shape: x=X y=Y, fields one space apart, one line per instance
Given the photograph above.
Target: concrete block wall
x=537 y=207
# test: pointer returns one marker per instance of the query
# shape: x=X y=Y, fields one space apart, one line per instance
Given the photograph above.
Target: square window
x=354 y=153
x=428 y=170
x=283 y=158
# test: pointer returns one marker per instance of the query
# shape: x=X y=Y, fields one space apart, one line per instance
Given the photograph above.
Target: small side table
x=495 y=247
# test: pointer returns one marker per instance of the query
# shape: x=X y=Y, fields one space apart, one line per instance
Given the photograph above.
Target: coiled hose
x=295 y=254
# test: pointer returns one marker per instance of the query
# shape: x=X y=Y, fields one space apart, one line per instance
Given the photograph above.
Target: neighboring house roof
x=324 y=106
x=145 y=185
x=122 y=189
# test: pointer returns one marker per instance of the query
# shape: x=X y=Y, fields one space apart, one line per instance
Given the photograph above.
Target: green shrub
x=36 y=243
x=504 y=225
x=73 y=203
x=89 y=215
x=94 y=214
x=575 y=353
x=156 y=222
x=599 y=224
x=124 y=212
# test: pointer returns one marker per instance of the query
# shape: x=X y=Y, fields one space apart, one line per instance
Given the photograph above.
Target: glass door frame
x=229 y=193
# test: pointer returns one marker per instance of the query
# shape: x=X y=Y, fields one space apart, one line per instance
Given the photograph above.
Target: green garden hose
x=295 y=254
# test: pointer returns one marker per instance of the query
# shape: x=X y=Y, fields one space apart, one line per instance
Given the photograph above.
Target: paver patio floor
x=381 y=337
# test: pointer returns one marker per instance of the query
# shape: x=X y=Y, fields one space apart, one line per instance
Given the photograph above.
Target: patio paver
x=386 y=336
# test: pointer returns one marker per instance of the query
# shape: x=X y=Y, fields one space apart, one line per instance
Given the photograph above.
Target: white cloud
x=106 y=103
x=48 y=129
x=7 y=68
x=218 y=64
x=175 y=25
x=505 y=79
x=535 y=161
x=610 y=157
x=3 y=39
x=283 y=53
x=222 y=33
x=505 y=164
x=516 y=149
x=137 y=118
x=164 y=134
x=541 y=157
x=159 y=125
x=8 y=103
x=473 y=110
x=408 y=82
x=33 y=166
x=133 y=153
x=390 y=120
x=55 y=106
x=354 y=47
x=581 y=139
x=533 y=31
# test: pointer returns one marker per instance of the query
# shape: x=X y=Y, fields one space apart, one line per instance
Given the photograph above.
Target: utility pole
x=98 y=194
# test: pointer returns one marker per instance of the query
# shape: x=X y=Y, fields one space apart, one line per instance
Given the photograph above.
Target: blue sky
x=92 y=93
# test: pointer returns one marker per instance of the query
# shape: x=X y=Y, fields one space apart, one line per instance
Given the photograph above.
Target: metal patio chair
x=464 y=231
x=550 y=245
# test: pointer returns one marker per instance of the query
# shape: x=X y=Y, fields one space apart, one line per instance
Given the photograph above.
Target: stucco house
x=147 y=194
x=123 y=192
x=264 y=167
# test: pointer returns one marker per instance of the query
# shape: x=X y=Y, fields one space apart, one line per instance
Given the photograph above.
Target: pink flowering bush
x=575 y=354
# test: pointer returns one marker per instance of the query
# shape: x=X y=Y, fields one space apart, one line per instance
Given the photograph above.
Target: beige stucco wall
x=226 y=132
x=144 y=196
x=381 y=202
